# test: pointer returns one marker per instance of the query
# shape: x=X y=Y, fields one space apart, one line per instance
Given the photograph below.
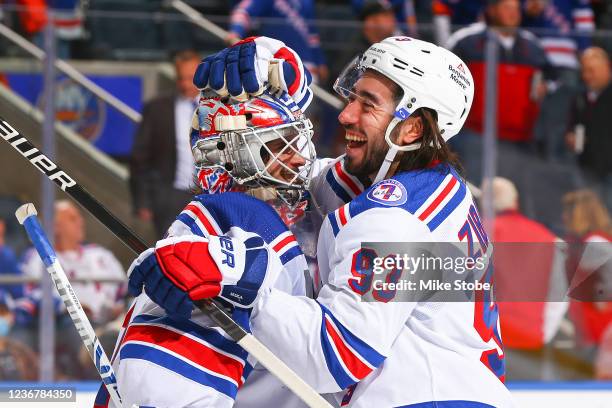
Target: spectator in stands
x=565 y=28
x=378 y=22
x=102 y=301
x=602 y=9
x=161 y=166
x=589 y=134
x=402 y=10
x=589 y=265
x=67 y=18
x=522 y=61
x=289 y=21
x=17 y=361
x=9 y=265
x=449 y=13
x=32 y=16
x=529 y=277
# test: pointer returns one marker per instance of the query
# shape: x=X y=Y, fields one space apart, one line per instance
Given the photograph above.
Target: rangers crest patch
x=388 y=192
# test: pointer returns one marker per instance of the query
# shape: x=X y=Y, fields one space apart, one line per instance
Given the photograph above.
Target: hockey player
x=237 y=146
x=406 y=98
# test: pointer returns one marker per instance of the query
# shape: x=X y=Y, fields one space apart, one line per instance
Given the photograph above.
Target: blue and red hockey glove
x=252 y=65
x=180 y=270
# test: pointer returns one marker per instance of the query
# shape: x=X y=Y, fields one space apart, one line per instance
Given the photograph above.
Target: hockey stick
x=26 y=215
x=246 y=340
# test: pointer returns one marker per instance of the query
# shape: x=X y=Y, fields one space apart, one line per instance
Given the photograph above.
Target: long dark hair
x=433 y=147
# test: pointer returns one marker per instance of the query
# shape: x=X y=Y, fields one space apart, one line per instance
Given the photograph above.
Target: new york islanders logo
x=388 y=192
x=79 y=109
x=215 y=180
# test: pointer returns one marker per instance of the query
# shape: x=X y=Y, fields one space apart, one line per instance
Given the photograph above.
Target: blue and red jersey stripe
x=348 y=358
x=192 y=351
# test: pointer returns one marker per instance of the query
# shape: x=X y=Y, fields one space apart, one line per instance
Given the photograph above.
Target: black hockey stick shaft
x=67 y=184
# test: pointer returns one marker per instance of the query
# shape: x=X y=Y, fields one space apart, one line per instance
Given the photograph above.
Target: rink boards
x=587 y=394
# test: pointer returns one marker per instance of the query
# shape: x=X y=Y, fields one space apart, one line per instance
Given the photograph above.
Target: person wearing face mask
x=9 y=264
x=244 y=152
x=17 y=361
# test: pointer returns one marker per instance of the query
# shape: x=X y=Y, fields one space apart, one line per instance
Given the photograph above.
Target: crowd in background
x=553 y=97
x=99 y=281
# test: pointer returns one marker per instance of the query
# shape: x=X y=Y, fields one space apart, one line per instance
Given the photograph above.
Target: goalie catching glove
x=250 y=66
x=180 y=270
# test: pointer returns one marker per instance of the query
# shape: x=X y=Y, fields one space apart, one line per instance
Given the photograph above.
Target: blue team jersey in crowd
x=564 y=28
x=291 y=21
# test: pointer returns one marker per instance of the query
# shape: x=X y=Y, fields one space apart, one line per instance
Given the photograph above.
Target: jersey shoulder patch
x=430 y=194
x=388 y=192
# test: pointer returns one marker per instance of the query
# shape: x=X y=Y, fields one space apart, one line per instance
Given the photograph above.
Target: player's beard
x=372 y=160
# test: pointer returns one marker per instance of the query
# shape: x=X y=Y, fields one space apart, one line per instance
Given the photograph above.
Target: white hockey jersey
x=89 y=261
x=209 y=215
x=166 y=362
x=385 y=353
x=332 y=186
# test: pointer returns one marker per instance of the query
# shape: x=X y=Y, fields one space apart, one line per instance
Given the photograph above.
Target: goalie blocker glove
x=181 y=270
x=252 y=65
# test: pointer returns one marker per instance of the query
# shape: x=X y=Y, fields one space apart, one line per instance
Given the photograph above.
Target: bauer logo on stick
x=34 y=155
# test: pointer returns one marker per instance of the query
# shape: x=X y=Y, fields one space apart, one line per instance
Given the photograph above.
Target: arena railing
x=71 y=72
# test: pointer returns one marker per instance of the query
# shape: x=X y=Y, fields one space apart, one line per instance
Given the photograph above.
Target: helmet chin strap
x=392 y=154
x=384 y=168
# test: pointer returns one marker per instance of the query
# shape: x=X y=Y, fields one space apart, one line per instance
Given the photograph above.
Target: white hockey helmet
x=428 y=76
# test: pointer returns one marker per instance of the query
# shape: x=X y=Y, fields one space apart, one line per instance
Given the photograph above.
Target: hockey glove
x=252 y=65
x=181 y=270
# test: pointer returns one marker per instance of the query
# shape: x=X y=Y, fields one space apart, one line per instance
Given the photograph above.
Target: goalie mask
x=257 y=143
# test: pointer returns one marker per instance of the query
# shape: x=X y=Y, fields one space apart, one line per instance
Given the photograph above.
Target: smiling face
x=365 y=118
x=286 y=164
